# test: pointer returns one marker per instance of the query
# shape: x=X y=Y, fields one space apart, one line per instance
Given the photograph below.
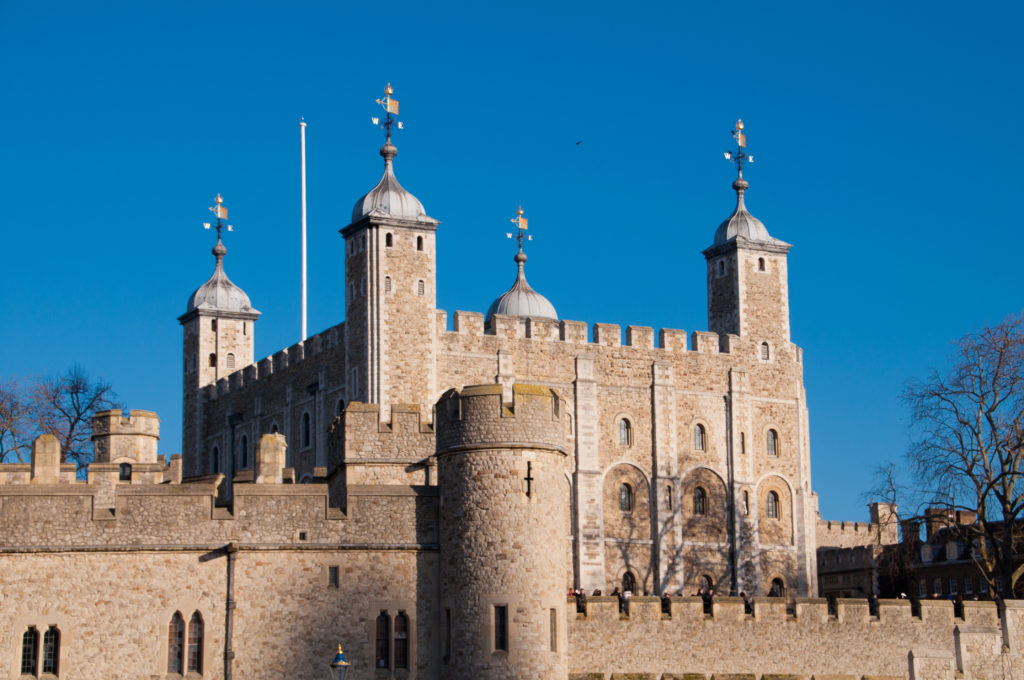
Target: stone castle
x=426 y=494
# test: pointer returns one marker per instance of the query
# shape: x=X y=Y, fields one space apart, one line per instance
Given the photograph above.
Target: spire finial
x=219 y=211
x=390 y=106
x=740 y=156
x=521 y=226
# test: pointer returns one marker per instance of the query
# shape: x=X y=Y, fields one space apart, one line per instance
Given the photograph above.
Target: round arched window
x=625 y=498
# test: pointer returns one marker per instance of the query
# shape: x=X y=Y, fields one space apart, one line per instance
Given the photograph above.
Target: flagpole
x=302 y=146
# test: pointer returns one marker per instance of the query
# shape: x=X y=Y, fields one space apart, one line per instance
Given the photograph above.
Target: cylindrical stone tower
x=504 y=528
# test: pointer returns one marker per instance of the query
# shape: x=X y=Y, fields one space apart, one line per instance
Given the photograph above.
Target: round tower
x=504 y=533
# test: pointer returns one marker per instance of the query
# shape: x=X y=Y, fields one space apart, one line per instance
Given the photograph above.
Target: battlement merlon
x=883 y=529
x=477 y=416
x=133 y=436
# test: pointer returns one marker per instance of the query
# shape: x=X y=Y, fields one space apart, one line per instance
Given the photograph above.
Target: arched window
x=700 y=437
x=243 y=453
x=746 y=503
x=195 y=644
x=628 y=582
x=245 y=328
x=306 y=430
x=760 y=264
x=772 y=443
x=401 y=640
x=388 y=240
x=216 y=459
x=383 y=641
x=419 y=243
x=625 y=498
x=706 y=582
x=213 y=324
x=30 y=651
x=668 y=497
x=387 y=284
x=625 y=432
x=700 y=501
x=176 y=644
x=124 y=472
x=213 y=360
x=778 y=588
x=421 y=288
x=772 y=505
x=743 y=442
x=231 y=361
x=766 y=352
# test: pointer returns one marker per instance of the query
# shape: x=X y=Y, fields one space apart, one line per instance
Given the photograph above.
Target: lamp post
x=339 y=665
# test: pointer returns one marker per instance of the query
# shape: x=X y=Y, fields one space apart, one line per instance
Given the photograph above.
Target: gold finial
x=521 y=226
x=739 y=124
x=388 y=91
x=219 y=211
x=740 y=156
x=339 y=648
x=390 y=107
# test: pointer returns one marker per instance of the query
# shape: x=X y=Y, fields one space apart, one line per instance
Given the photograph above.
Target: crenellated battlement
x=881 y=530
x=479 y=416
x=132 y=435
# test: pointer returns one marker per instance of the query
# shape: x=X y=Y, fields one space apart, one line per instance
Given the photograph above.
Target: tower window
x=421 y=287
x=721 y=267
x=553 y=628
x=625 y=432
x=389 y=240
x=333 y=576
x=216 y=459
x=700 y=501
x=668 y=497
x=387 y=284
x=243 y=453
x=383 y=641
x=245 y=328
x=306 y=430
x=746 y=503
x=30 y=651
x=419 y=243
x=401 y=640
x=195 y=644
x=231 y=361
x=51 y=650
x=772 y=505
x=766 y=352
x=175 y=644
x=700 y=437
x=213 y=361
x=743 y=442
x=772 y=443
x=124 y=472
x=625 y=498
x=213 y=324
x=501 y=628
x=760 y=264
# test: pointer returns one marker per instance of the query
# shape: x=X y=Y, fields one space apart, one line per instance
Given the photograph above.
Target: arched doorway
x=628 y=583
x=778 y=588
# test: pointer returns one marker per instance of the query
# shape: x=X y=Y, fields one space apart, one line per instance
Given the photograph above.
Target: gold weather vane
x=390 y=107
x=219 y=211
x=521 y=226
x=740 y=156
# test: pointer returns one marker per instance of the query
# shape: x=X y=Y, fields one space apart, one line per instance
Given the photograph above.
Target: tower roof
x=219 y=294
x=521 y=299
x=741 y=222
x=389 y=198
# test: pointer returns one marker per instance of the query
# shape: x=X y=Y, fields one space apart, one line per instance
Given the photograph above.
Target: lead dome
x=389 y=198
x=219 y=293
x=521 y=299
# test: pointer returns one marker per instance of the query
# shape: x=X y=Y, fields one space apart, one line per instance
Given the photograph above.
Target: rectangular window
x=500 y=628
x=554 y=630
x=921 y=589
x=982 y=585
x=969 y=585
x=446 y=649
x=332 y=576
x=954 y=585
x=402 y=641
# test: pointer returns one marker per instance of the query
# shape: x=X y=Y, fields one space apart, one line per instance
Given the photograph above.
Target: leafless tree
x=61 y=405
x=966 y=450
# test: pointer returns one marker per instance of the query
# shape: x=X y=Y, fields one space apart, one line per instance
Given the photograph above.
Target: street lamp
x=339 y=665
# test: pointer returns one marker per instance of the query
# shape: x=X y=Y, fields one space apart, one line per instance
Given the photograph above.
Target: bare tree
x=967 y=436
x=61 y=405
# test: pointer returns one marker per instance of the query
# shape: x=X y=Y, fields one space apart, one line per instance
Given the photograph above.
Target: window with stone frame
x=700 y=437
x=766 y=351
x=500 y=628
x=419 y=243
x=195 y=643
x=625 y=432
x=307 y=430
x=231 y=361
x=387 y=284
x=628 y=582
x=30 y=652
x=124 y=472
x=625 y=497
x=421 y=287
x=772 y=505
x=401 y=641
x=383 y=651
x=176 y=644
x=389 y=240
x=772 y=443
x=700 y=501
x=213 y=361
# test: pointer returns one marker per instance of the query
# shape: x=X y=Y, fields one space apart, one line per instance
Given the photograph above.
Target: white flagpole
x=302 y=145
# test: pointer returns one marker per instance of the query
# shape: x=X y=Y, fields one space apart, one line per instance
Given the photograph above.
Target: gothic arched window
x=176 y=644
x=772 y=443
x=383 y=654
x=30 y=651
x=625 y=498
x=772 y=505
x=700 y=437
x=195 y=644
x=700 y=501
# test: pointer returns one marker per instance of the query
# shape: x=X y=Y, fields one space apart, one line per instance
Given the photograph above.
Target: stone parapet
x=477 y=416
x=132 y=436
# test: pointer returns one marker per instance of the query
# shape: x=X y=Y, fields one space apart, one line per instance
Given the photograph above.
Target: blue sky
x=884 y=135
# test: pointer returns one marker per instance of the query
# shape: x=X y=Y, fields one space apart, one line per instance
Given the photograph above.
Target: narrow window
x=760 y=264
x=668 y=497
x=387 y=284
x=447 y=648
x=213 y=361
x=778 y=588
x=245 y=328
x=766 y=352
x=244 y=452
x=700 y=439
x=772 y=505
x=274 y=429
x=625 y=498
x=700 y=501
x=124 y=472
x=340 y=408
x=51 y=650
x=175 y=644
x=213 y=324
x=420 y=287
x=231 y=361
x=388 y=240
x=746 y=503
x=383 y=641
x=195 y=644
x=625 y=432
x=743 y=442
x=721 y=267
x=333 y=576
x=306 y=434
x=216 y=459
x=419 y=243
x=401 y=641
x=628 y=582
x=772 y=443
x=30 y=651
x=553 y=627
x=501 y=628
